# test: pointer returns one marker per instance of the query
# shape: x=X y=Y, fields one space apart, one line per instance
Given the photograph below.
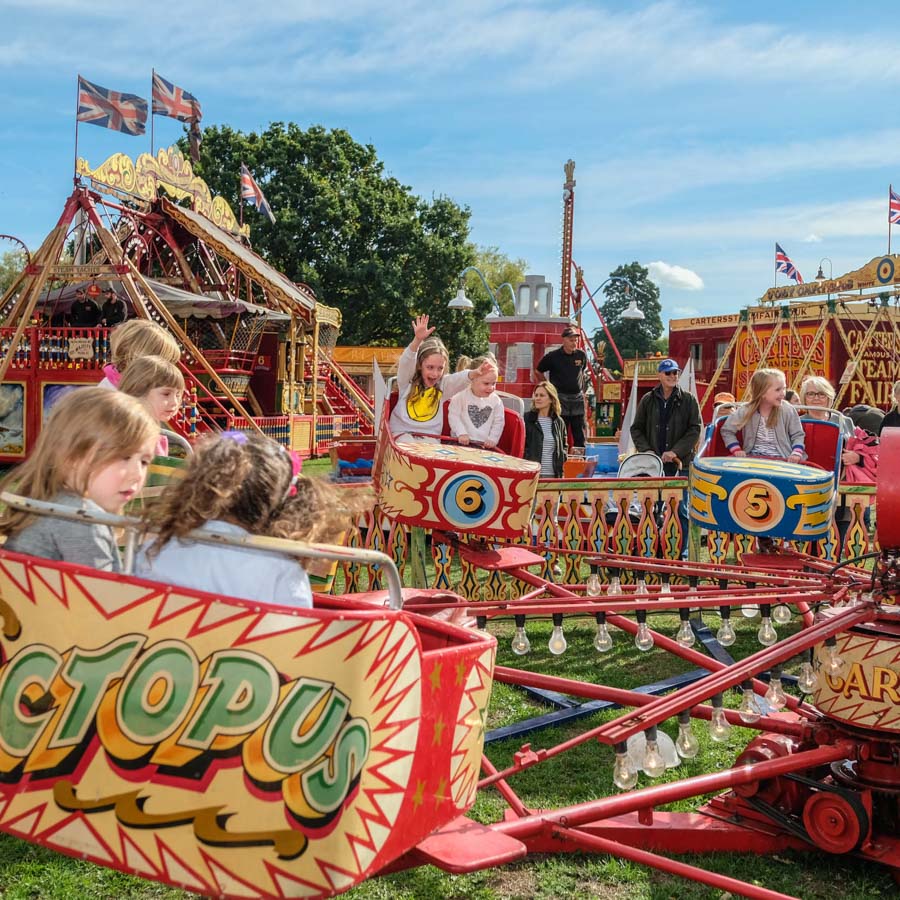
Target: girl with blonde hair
x=133 y=339
x=476 y=413
x=769 y=426
x=92 y=454
x=240 y=484
x=159 y=385
x=423 y=385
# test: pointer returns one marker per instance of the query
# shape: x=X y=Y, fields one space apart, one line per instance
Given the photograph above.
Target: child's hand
x=463 y=439
x=738 y=453
x=421 y=329
x=485 y=368
x=796 y=456
x=489 y=445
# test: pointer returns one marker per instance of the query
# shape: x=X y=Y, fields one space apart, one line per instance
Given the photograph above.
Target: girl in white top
x=423 y=385
x=476 y=414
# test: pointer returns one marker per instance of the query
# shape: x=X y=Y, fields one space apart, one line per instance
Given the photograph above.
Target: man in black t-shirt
x=565 y=369
x=83 y=312
x=113 y=310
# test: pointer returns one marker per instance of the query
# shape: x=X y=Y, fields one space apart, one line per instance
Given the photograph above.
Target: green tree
x=11 y=264
x=633 y=337
x=357 y=236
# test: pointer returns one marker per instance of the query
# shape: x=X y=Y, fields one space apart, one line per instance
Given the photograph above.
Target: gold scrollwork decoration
x=169 y=171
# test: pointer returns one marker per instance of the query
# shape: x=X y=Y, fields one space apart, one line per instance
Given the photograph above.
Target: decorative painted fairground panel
x=231 y=748
x=574 y=519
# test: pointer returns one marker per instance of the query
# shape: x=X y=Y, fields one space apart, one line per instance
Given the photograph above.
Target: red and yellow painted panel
x=454 y=488
x=230 y=748
x=867 y=692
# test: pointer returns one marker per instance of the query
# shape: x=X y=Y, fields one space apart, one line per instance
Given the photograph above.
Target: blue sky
x=702 y=132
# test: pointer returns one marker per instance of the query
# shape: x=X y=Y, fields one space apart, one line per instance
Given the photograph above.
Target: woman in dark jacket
x=545 y=431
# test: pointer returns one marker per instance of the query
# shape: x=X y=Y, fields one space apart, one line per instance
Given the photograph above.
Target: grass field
x=28 y=872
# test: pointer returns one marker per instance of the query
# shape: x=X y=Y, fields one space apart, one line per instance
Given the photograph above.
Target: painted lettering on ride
x=160 y=705
x=876 y=684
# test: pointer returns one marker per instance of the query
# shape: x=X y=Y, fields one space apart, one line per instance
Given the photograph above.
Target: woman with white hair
x=817 y=396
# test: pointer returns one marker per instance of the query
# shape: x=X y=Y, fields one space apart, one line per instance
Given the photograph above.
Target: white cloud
x=685 y=312
x=812 y=238
x=678 y=277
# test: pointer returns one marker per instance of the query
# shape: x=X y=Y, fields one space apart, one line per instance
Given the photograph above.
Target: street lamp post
x=820 y=275
x=461 y=301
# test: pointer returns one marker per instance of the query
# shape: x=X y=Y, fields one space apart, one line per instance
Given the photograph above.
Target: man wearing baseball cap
x=113 y=310
x=667 y=422
x=83 y=312
x=565 y=369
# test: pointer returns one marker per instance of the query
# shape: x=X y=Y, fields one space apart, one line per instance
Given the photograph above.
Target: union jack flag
x=893 y=207
x=251 y=191
x=111 y=109
x=171 y=100
x=783 y=264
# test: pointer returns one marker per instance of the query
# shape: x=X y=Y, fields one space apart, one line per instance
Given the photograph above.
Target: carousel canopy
x=182 y=304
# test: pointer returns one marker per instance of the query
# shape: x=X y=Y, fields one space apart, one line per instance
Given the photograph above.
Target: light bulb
x=520 y=644
x=625 y=776
x=750 y=611
x=766 y=634
x=725 y=635
x=807 y=681
x=686 y=743
x=557 y=643
x=602 y=639
x=775 y=695
x=643 y=640
x=615 y=586
x=833 y=664
x=685 y=635
x=593 y=587
x=653 y=763
x=719 y=726
x=749 y=708
x=641 y=588
x=781 y=615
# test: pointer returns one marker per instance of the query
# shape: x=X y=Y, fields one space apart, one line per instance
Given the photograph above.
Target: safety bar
x=133 y=526
x=179 y=440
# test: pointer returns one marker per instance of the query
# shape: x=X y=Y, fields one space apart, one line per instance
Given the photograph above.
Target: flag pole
x=77 y=97
x=890 y=194
x=240 y=192
x=775 y=284
x=152 y=82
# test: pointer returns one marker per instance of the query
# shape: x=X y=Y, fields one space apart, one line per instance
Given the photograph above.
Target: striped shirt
x=765 y=445
x=546 y=424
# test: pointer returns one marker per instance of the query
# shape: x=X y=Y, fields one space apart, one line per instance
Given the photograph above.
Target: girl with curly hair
x=239 y=484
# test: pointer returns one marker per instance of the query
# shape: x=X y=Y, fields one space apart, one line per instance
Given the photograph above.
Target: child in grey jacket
x=92 y=454
x=769 y=427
